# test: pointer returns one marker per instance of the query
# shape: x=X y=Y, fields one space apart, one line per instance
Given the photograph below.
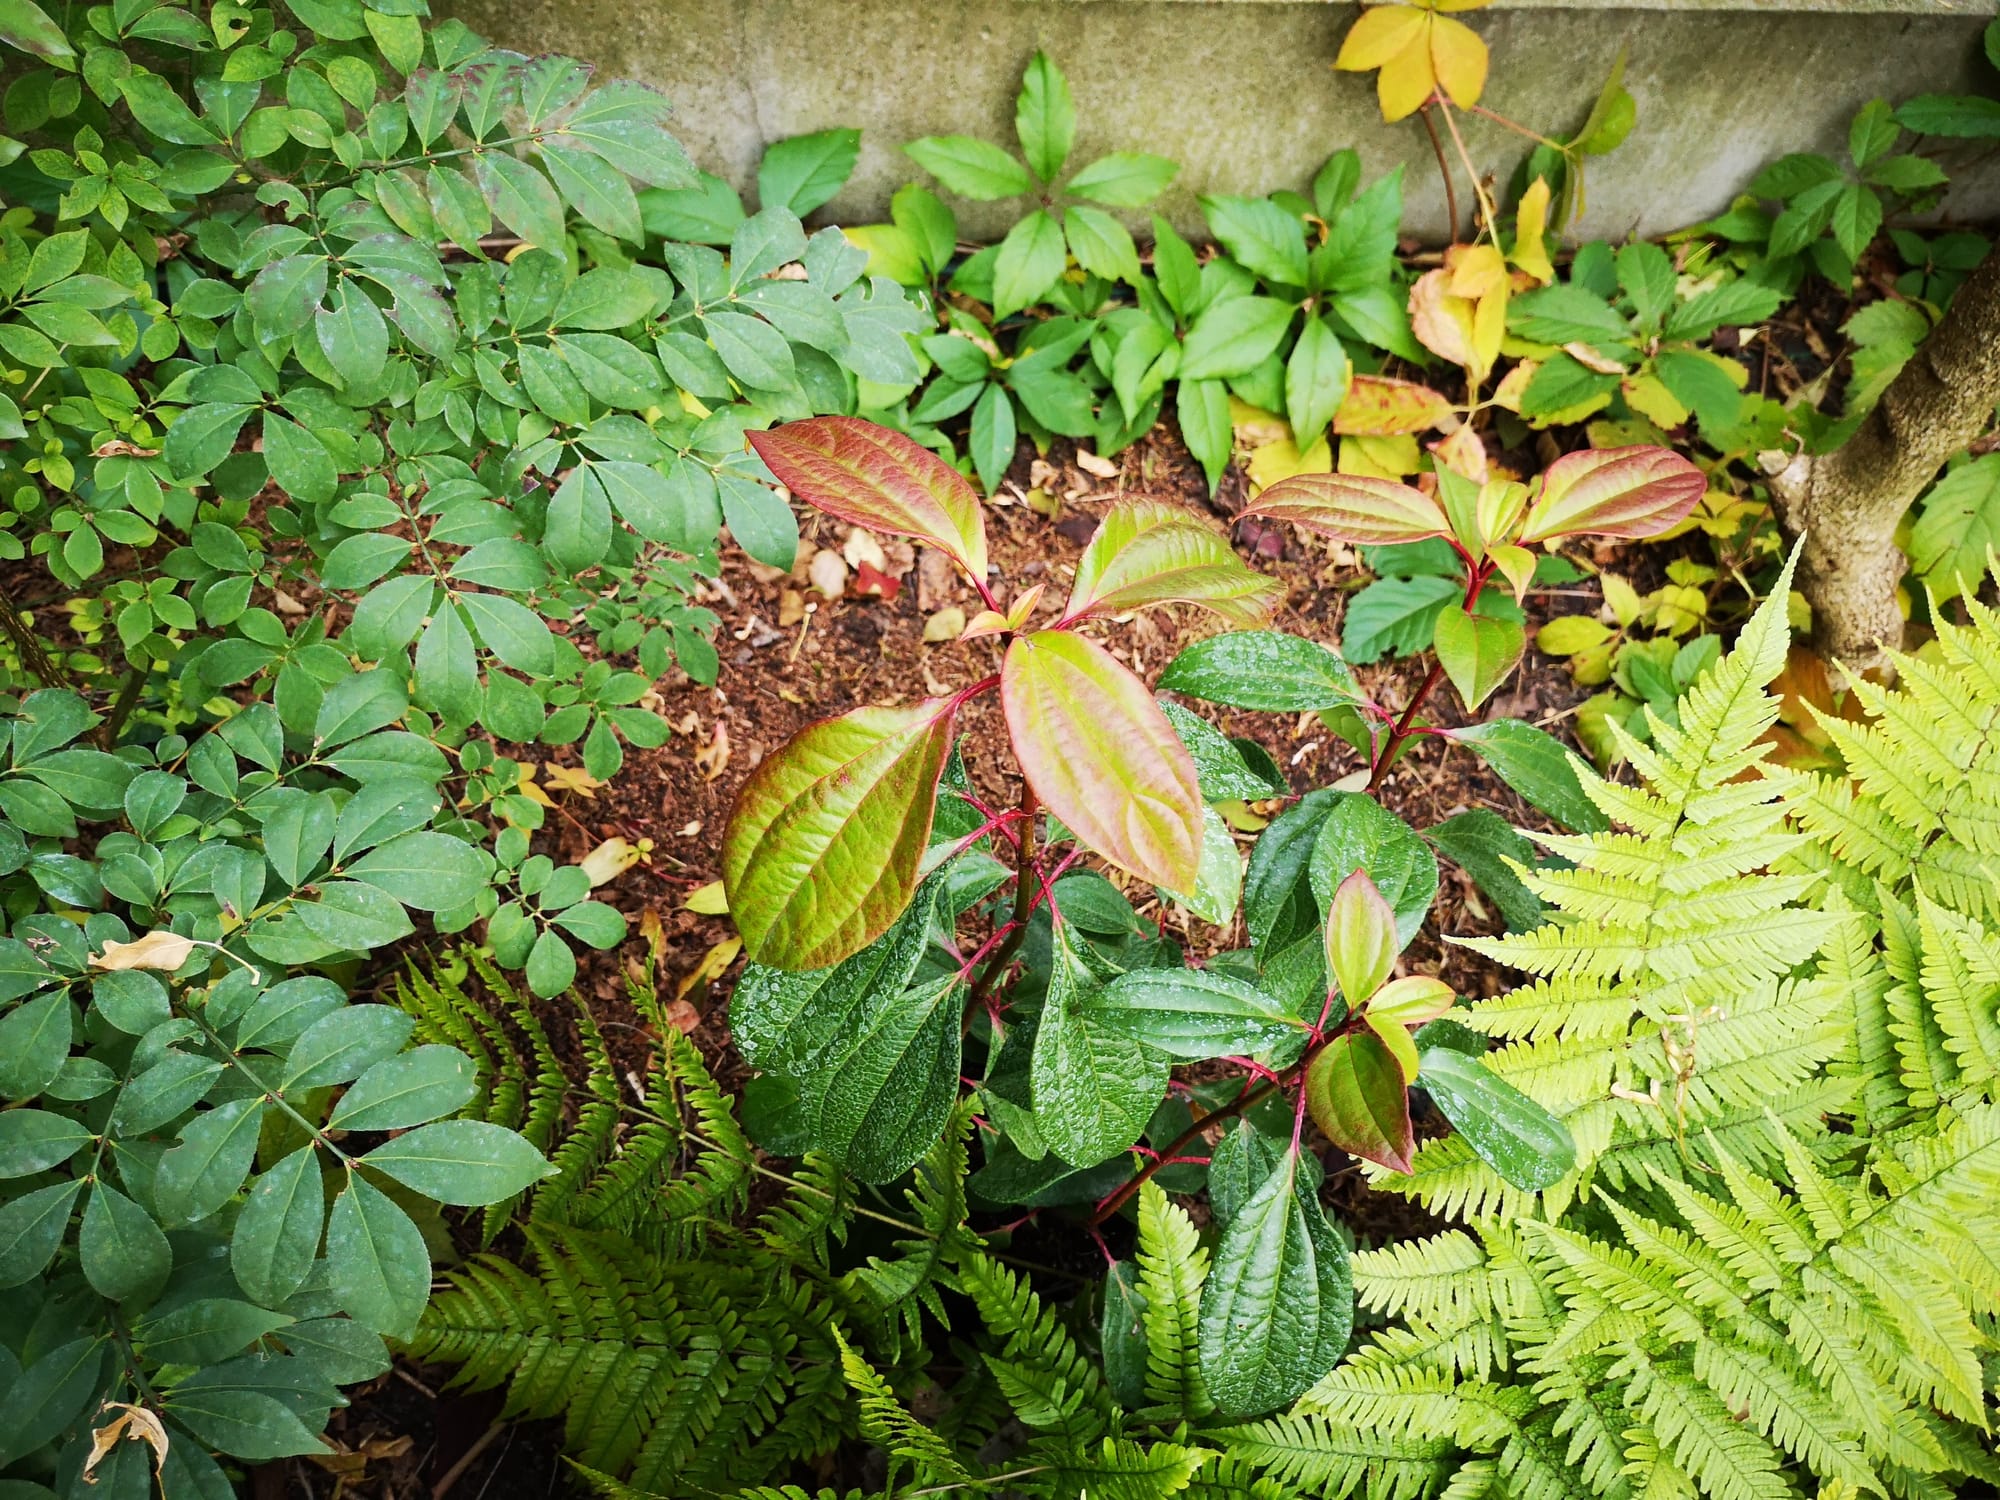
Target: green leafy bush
x=361 y=429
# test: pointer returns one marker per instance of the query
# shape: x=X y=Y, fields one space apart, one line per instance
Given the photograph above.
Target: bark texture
x=1847 y=503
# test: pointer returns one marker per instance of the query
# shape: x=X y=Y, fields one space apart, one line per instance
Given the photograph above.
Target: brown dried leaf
x=161 y=950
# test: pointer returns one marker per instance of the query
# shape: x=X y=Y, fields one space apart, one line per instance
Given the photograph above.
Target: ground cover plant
x=411 y=645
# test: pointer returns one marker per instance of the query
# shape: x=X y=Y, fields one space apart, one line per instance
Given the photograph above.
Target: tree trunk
x=1848 y=503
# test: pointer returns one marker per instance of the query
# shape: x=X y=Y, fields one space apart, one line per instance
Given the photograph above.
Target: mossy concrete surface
x=1242 y=93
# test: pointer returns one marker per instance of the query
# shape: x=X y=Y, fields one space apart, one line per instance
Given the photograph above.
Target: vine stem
x=1444 y=170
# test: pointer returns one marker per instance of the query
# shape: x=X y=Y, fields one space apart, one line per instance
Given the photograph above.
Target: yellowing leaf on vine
x=1379 y=457
x=1463 y=452
x=825 y=842
x=1531 y=224
x=1415 y=51
x=1280 y=459
x=1102 y=757
x=1379 y=406
x=1459 y=311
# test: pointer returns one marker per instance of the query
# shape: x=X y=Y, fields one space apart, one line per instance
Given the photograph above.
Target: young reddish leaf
x=1618 y=492
x=1357 y=1095
x=1149 y=552
x=1361 y=942
x=1353 y=508
x=1411 y=1001
x=824 y=845
x=1377 y=406
x=870 y=476
x=1102 y=757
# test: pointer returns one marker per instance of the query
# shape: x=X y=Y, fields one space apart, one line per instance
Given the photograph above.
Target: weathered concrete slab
x=1242 y=94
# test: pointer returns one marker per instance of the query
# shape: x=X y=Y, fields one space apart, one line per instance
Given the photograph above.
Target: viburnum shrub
x=858 y=853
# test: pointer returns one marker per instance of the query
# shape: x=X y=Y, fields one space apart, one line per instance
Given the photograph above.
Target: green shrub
x=359 y=427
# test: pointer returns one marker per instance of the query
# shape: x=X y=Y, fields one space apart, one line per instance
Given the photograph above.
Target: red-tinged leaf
x=1618 y=492
x=1102 y=757
x=1149 y=552
x=1377 y=406
x=1361 y=944
x=824 y=845
x=1476 y=652
x=870 y=580
x=1357 y=1095
x=870 y=476
x=1411 y=1001
x=1353 y=508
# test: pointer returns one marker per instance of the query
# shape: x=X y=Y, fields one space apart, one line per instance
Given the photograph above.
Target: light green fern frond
x=886 y=1423
x=1172 y=1268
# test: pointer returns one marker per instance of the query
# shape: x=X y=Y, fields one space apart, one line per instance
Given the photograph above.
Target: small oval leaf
x=1357 y=1095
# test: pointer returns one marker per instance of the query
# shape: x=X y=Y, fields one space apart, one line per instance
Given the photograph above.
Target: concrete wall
x=1241 y=93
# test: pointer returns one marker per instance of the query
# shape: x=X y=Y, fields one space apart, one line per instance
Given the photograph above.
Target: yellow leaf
x=1624 y=600
x=1476 y=270
x=1531 y=222
x=717 y=959
x=1458 y=60
x=708 y=901
x=1463 y=452
x=162 y=950
x=1441 y=321
x=1678 y=608
x=1592 y=668
x=1646 y=395
x=1282 y=459
x=1507 y=393
x=1253 y=425
x=1407 y=80
x=1568 y=634
x=1379 y=457
x=613 y=858
x=1382 y=33
x=572 y=779
x=1518 y=563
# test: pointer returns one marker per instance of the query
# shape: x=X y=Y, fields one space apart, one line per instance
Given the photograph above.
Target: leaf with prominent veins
x=825 y=845
x=869 y=476
x=1353 y=508
x=1148 y=552
x=1629 y=493
x=1102 y=757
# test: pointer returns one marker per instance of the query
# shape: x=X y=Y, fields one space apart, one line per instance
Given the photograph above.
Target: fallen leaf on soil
x=286 y=604
x=708 y=900
x=937 y=581
x=861 y=547
x=870 y=581
x=572 y=779
x=1042 y=502
x=712 y=759
x=161 y=950
x=946 y=624
x=828 y=573
x=681 y=1014
x=1090 y=463
x=613 y=858
x=791 y=608
x=1042 y=473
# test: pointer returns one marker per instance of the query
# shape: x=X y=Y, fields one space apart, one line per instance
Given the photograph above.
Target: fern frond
x=1332 y=1459
x=886 y=1423
x=1172 y=1268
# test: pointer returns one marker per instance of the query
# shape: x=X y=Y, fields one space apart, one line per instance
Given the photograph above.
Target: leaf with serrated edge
x=869 y=476
x=1102 y=757
x=1353 y=508
x=1357 y=1095
x=1629 y=493
x=824 y=846
x=1148 y=552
